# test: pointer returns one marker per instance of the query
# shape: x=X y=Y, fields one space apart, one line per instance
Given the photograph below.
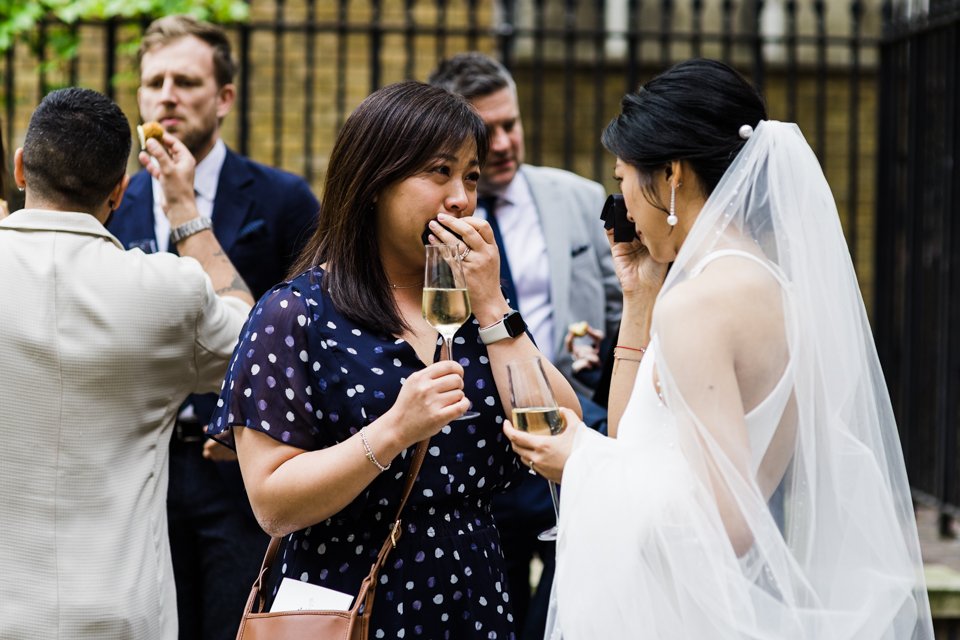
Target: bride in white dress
x=753 y=486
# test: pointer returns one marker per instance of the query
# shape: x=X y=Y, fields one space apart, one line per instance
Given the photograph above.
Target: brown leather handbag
x=323 y=625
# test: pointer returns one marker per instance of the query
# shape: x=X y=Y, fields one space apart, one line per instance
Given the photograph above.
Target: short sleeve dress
x=309 y=377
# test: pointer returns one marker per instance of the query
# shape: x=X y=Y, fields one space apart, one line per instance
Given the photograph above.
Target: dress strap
x=764 y=419
x=723 y=253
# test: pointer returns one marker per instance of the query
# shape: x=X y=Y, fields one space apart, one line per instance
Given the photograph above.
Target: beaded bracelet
x=372 y=458
x=640 y=350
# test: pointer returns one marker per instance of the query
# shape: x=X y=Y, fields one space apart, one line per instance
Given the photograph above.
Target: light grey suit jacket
x=583 y=283
x=98 y=348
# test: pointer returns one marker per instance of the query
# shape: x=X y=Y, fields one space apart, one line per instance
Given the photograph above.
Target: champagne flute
x=535 y=411
x=446 y=301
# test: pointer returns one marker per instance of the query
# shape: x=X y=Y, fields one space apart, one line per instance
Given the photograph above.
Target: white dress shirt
x=526 y=249
x=205 y=181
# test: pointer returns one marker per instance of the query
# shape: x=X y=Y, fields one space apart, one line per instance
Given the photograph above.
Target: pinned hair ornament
x=746 y=131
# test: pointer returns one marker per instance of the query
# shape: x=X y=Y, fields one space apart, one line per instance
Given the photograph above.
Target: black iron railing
x=305 y=64
x=918 y=242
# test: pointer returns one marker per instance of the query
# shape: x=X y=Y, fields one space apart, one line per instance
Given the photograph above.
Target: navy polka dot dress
x=307 y=376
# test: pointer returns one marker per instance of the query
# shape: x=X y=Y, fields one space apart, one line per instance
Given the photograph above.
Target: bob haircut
x=391 y=136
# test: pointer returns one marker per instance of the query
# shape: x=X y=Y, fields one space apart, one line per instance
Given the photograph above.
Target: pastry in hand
x=578 y=329
x=149 y=130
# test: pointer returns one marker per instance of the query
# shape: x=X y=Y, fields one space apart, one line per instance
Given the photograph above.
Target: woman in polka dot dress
x=337 y=377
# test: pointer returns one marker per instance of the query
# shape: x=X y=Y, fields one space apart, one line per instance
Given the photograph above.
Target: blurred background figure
x=262 y=217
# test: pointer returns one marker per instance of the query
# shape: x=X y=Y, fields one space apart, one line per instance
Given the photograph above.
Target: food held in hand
x=149 y=130
x=579 y=329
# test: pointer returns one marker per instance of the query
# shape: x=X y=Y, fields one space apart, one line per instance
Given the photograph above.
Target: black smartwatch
x=510 y=326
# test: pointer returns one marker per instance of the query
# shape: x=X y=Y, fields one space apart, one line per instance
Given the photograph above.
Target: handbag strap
x=395 y=530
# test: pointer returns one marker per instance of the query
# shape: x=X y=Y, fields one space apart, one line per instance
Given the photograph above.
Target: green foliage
x=20 y=18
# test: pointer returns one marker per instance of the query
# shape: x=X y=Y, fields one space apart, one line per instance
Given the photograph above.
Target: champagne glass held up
x=446 y=301
x=535 y=411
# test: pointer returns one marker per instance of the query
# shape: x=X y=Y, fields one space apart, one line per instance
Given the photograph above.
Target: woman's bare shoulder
x=729 y=294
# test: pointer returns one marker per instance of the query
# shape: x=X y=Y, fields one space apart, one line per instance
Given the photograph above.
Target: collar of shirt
x=206 y=177
x=48 y=220
x=516 y=194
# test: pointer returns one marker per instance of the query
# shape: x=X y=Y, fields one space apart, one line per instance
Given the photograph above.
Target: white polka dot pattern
x=310 y=377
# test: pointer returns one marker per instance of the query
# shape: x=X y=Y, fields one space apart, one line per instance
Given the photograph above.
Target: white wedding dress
x=643 y=551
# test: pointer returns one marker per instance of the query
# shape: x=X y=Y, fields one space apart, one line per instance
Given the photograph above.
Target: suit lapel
x=232 y=204
x=133 y=223
x=553 y=220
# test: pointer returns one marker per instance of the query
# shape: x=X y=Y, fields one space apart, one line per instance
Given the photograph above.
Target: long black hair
x=691 y=112
x=391 y=136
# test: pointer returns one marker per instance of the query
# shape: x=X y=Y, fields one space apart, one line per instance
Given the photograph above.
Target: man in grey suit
x=556 y=269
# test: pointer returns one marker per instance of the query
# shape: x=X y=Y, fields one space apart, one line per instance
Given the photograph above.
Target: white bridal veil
x=833 y=554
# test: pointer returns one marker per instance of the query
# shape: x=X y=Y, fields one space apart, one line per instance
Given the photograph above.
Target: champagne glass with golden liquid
x=535 y=411
x=446 y=301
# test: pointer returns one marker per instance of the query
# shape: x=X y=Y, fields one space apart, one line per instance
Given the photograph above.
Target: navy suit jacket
x=262 y=217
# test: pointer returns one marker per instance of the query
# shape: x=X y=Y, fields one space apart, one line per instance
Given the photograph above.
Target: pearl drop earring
x=672 y=218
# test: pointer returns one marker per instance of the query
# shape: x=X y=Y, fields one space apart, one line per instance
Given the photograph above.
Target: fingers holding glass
x=535 y=411
x=446 y=301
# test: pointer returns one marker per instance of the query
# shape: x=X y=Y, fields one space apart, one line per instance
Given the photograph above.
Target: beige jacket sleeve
x=219 y=322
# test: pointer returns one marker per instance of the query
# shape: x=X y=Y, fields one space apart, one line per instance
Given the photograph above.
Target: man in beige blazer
x=98 y=346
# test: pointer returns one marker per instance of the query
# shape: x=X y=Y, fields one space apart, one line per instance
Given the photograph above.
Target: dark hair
x=691 y=112
x=76 y=148
x=471 y=75
x=391 y=136
x=163 y=31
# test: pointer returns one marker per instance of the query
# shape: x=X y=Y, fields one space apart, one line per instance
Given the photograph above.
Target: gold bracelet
x=372 y=458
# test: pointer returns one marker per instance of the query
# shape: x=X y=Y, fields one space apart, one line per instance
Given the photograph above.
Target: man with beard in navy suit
x=262 y=217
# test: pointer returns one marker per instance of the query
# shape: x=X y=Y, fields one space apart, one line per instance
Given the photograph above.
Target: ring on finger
x=465 y=253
